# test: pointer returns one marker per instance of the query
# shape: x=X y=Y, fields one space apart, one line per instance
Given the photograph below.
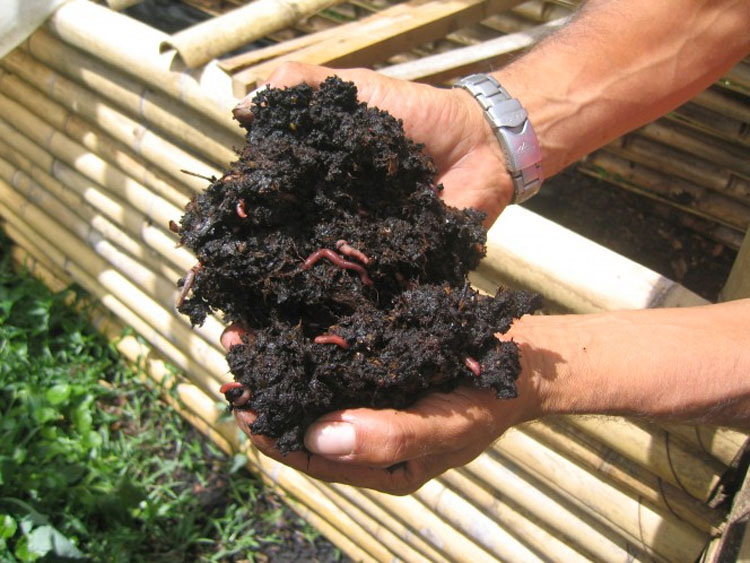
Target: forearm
x=688 y=364
x=621 y=64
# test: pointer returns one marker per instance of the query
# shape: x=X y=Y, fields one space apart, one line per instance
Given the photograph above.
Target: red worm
x=242 y=399
x=188 y=283
x=240 y=209
x=348 y=250
x=338 y=261
x=332 y=339
x=473 y=365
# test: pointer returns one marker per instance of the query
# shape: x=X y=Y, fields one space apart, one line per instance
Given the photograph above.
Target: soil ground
x=621 y=221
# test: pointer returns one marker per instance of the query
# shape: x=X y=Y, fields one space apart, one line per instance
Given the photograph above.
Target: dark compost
x=328 y=243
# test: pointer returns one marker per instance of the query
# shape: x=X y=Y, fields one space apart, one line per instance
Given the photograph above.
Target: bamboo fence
x=96 y=124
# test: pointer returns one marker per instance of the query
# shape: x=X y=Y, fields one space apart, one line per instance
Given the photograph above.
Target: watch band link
x=511 y=125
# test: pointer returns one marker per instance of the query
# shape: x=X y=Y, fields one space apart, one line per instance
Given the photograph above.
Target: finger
x=232 y=336
x=439 y=424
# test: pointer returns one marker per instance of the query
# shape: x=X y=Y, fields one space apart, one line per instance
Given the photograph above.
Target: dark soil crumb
x=328 y=242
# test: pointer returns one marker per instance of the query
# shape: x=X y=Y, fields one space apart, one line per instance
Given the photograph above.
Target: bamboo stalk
x=153 y=207
x=132 y=47
x=93 y=218
x=170 y=158
x=380 y=533
x=381 y=36
x=722 y=153
x=17 y=228
x=90 y=137
x=388 y=520
x=122 y=4
x=429 y=526
x=471 y=521
x=143 y=305
x=625 y=474
x=711 y=123
x=709 y=228
x=511 y=484
x=541 y=541
x=723 y=102
x=214 y=37
x=161 y=289
x=118 y=212
x=162 y=111
x=457 y=62
x=681 y=193
x=724 y=444
x=657 y=534
x=526 y=250
x=679 y=164
x=666 y=456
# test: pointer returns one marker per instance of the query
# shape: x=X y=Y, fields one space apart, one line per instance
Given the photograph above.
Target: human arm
x=690 y=365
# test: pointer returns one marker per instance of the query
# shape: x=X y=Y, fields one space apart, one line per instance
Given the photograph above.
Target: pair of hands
x=442 y=430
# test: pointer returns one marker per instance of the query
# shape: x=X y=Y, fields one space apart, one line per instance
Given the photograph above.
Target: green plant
x=93 y=465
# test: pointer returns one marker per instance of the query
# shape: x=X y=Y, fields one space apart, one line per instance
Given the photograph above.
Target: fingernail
x=247 y=101
x=330 y=438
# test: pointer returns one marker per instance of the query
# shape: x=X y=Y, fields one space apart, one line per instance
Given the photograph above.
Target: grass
x=94 y=466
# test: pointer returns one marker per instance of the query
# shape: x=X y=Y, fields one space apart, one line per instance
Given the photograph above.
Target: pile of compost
x=328 y=243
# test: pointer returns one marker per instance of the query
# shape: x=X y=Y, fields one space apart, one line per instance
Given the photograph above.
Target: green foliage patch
x=93 y=466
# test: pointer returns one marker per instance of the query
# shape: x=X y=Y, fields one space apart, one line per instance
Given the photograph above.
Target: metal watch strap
x=513 y=130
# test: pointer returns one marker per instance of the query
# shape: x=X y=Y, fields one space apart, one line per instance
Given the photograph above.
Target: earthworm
x=338 y=261
x=332 y=339
x=473 y=365
x=348 y=250
x=188 y=283
x=231 y=386
x=241 y=209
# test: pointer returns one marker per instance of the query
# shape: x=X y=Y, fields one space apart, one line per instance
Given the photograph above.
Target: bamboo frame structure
x=94 y=132
x=207 y=40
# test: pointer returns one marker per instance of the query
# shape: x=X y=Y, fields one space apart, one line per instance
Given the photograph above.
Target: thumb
x=438 y=424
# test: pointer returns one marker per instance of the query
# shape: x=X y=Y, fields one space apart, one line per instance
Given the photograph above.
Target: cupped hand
x=449 y=122
x=396 y=451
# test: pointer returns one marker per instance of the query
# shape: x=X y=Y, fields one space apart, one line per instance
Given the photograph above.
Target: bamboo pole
x=169 y=157
x=122 y=4
x=722 y=153
x=711 y=123
x=626 y=474
x=657 y=534
x=159 y=109
x=541 y=541
x=468 y=519
x=16 y=228
x=526 y=250
x=153 y=207
x=133 y=48
x=722 y=102
x=112 y=207
x=513 y=485
x=143 y=305
x=724 y=444
x=94 y=139
x=454 y=546
x=96 y=220
x=665 y=455
x=202 y=42
x=161 y=289
x=389 y=521
x=679 y=164
x=457 y=62
x=380 y=533
x=680 y=193
x=381 y=35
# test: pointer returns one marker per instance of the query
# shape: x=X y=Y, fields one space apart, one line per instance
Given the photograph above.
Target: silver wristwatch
x=513 y=130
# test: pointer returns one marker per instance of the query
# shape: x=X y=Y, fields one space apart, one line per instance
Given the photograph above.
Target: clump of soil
x=328 y=243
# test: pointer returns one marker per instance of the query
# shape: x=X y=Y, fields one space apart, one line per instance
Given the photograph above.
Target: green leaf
x=8 y=526
x=58 y=394
x=22 y=551
x=46 y=539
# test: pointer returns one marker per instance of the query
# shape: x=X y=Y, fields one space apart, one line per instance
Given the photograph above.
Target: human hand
x=397 y=451
x=449 y=122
